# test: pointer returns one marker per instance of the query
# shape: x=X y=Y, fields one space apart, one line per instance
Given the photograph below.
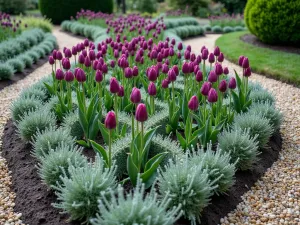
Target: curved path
x=7 y=95
x=275 y=199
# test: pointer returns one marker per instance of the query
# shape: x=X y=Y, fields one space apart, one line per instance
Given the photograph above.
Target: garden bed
x=252 y=39
x=33 y=199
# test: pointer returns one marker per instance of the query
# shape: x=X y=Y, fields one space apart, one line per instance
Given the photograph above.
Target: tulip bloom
x=193 y=103
x=141 y=114
x=205 y=88
x=222 y=86
x=232 y=83
x=212 y=95
x=110 y=123
x=135 y=96
x=212 y=77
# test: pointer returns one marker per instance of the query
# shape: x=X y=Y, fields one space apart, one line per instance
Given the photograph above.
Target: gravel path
x=7 y=95
x=275 y=199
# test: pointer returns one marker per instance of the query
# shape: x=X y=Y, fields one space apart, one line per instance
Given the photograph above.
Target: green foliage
x=228 y=29
x=24 y=105
x=34 y=92
x=28 y=61
x=58 y=10
x=207 y=27
x=37 y=22
x=242 y=148
x=187 y=185
x=6 y=71
x=187 y=31
x=262 y=96
x=178 y=22
x=274 y=21
x=269 y=111
x=217 y=29
x=257 y=125
x=149 y=6
x=13 y=6
x=56 y=162
x=239 y=28
x=17 y=64
x=234 y=6
x=193 y=5
x=71 y=122
x=136 y=207
x=79 y=193
x=48 y=139
x=219 y=168
x=34 y=121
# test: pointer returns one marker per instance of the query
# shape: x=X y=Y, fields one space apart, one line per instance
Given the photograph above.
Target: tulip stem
x=116 y=111
x=132 y=123
x=109 y=149
x=173 y=93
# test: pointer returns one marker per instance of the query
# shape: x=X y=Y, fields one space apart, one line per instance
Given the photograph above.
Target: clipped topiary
x=136 y=207
x=241 y=147
x=50 y=138
x=79 y=192
x=33 y=121
x=227 y=29
x=269 y=111
x=257 y=125
x=58 y=10
x=17 y=64
x=187 y=185
x=217 y=29
x=56 y=162
x=219 y=168
x=274 y=21
x=23 y=105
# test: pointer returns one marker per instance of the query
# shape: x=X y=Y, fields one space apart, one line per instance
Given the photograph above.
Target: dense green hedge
x=274 y=21
x=58 y=10
x=172 y=23
x=187 y=31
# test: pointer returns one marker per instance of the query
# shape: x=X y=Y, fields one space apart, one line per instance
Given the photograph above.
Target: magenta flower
x=193 y=103
x=212 y=95
x=135 y=96
x=241 y=58
x=205 y=88
x=59 y=74
x=221 y=57
x=185 y=68
x=218 y=69
x=80 y=75
x=217 y=51
x=114 y=85
x=152 y=89
x=199 y=76
x=211 y=58
x=232 y=83
x=141 y=114
x=245 y=63
x=205 y=54
x=128 y=72
x=226 y=71
x=212 y=77
x=152 y=73
x=135 y=71
x=69 y=77
x=99 y=76
x=165 y=84
x=248 y=72
x=51 y=60
x=121 y=91
x=223 y=86
x=110 y=120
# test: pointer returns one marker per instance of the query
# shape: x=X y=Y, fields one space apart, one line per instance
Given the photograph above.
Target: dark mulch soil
x=252 y=39
x=34 y=200
x=19 y=76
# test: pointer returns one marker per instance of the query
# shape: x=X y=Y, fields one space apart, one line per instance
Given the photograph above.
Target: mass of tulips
x=9 y=27
x=129 y=75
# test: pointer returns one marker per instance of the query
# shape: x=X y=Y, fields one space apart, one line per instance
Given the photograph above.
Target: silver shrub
x=136 y=207
x=79 y=192
x=241 y=146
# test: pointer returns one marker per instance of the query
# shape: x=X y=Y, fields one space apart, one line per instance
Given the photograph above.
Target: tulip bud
x=110 y=120
x=226 y=71
x=212 y=95
x=59 y=74
x=248 y=72
x=171 y=52
x=80 y=75
x=92 y=55
x=87 y=62
x=198 y=59
x=171 y=75
x=180 y=47
x=112 y=63
x=74 y=50
x=128 y=72
x=205 y=54
x=217 y=51
x=165 y=84
x=223 y=86
x=95 y=65
x=245 y=63
x=176 y=70
x=152 y=73
x=121 y=91
x=196 y=68
x=69 y=77
x=187 y=54
x=135 y=96
x=135 y=71
x=86 y=42
x=68 y=53
x=193 y=57
x=152 y=89
x=141 y=114
x=81 y=59
x=189 y=48
x=241 y=58
x=114 y=85
x=59 y=55
x=104 y=68
x=54 y=54
x=211 y=58
x=178 y=55
x=232 y=83
x=199 y=76
x=165 y=68
x=221 y=57
x=193 y=103
x=205 y=88
x=212 y=77
x=218 y=69
x=185 y=68
x=84 y=53
x=99 y=76
x=51 y=60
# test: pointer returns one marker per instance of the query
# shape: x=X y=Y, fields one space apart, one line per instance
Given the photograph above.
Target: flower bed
x=149 y=123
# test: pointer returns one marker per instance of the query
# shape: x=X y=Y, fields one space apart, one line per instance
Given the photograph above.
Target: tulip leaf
x=100 y=150
x=50 y=89
x=104 y=132
x=83 y=143
x=132 y=170
x=181 y=140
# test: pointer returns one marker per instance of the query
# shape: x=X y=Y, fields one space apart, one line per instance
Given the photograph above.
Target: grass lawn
x=276 y=64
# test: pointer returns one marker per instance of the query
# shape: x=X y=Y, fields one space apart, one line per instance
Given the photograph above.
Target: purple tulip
x=121 y=91
x=185 y=68
x=245 y=63
x=172 y=75
x=81 y=59
x=141 y=114
x=135 y=96
x=69 y=77
x=187 y=54
x=218 y=69
x=110 y=120
x=99 y=76
x=226 y=71
x=198 y=59
x=223 y=86
x=217 y=51
x=152 y=73
x=92 y=55
x=205 y=54
x=112 y=64
x=135 y=71
x=104 y=68
x=54 y=54
x=193 y=103
x=68 y=53
x=74 y=50
x=199 y=76
x=51 y=60
x=176 y=70
x=114 y=85
x=221 y=57
x=241 y=58
x=152 y=89
x=59 y=55
x=165 y=84
x=212 y=95
x=211 y=58
x=247 y=72
x=232 y=83
x=205 y=88
x=59 y=74
x=128 y=72
x=80 y=75
x=180 y=47
x=212 y=77
x=95 y=65
x=165 y=68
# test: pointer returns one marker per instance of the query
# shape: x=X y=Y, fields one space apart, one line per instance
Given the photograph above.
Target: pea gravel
x=7 y=95
x=275 y=199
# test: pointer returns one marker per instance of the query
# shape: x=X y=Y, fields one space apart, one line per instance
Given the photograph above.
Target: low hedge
x=187 y=31
x=172 y=23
